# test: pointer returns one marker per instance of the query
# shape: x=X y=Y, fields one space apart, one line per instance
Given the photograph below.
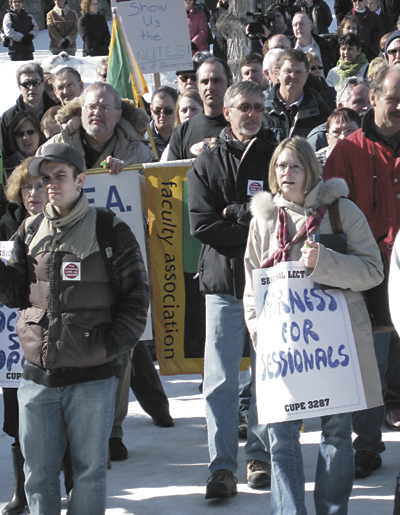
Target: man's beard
x=95 y=130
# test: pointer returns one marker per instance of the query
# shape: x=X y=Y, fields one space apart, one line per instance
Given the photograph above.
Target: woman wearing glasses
x=26 y=196
x=93 y=29
x=327 y=92
x=25 y=138
x=277 y=233
x=21 y=29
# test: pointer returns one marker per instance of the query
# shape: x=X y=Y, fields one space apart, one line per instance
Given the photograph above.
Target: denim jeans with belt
x=225 y=340
x=335 y=467
x=50 y=417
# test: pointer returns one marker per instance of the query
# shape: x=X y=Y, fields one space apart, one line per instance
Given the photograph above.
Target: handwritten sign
x=11 y=354
x=158 y=33
x=307 y=363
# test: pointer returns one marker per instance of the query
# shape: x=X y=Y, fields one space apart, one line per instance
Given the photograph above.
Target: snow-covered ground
x=167 y=470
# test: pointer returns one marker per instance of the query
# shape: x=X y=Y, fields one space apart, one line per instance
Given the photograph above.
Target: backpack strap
x=334 y=217
x=104 y=235
x=33 y=228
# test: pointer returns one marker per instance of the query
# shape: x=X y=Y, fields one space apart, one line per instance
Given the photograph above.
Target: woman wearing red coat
x=198 y=27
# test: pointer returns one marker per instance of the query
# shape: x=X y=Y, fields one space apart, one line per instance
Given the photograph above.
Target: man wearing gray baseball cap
x=78 y=316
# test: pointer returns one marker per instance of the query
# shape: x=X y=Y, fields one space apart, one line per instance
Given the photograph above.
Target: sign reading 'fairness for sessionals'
x=158 y=33
x=307 y=363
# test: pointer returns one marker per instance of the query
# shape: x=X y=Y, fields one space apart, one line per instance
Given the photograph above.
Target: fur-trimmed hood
x=130 y=113
x=264 y=203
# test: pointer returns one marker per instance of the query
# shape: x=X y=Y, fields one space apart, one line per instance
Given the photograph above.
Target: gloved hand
x=194 y=46
x=27 y=39
x=65 y=44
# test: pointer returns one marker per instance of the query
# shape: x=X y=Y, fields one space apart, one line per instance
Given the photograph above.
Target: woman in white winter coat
x=297 y=192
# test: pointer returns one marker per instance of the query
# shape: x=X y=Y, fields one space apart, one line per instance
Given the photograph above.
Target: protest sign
x=122 y=194
x=307 y=364
x=11 y=354
x=179 y=308
x=158 y=33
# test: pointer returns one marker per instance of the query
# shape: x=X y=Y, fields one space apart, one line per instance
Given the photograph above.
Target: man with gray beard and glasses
x=104 y=128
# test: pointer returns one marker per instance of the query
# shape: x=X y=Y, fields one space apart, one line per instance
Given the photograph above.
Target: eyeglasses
x=394 y=51
x=166 y=110
x=31 y=83
x=293 y=168
x=21 y=134
x=185 y=78
x=27 y=188
x=61 y=87
x=245 y=108
x=292 y=72
x=313 y=68
x=103 y=109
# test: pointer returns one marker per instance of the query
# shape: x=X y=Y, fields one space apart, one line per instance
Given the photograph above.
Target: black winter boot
x=18 y=502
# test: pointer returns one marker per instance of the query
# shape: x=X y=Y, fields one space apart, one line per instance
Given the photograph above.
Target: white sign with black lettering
x=158 y=33
x=307 y=363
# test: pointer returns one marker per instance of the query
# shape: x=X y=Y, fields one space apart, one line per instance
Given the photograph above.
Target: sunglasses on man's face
x=185 y=78
x=166 y=110
x=31 y=83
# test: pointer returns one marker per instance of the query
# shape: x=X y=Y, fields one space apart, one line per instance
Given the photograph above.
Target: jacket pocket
x=32 y=333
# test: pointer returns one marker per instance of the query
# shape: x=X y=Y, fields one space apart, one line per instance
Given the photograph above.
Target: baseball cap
x=57 y=153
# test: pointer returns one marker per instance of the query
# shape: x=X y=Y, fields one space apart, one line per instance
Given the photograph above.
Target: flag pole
x=137 y=78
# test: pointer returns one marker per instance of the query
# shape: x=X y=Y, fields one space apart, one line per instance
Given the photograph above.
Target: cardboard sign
x=307 y=363
x=158 y=33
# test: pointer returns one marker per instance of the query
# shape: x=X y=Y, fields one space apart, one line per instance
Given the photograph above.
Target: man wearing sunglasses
x=392 y=48
x=221 y=183
x=162 y=108
x=33 y=98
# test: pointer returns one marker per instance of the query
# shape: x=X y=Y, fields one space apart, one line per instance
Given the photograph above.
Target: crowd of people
x=314 y=122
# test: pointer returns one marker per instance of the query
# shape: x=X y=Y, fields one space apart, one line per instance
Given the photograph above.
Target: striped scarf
x=282 y=234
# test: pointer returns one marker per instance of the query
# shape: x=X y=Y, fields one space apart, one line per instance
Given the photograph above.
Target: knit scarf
x=348 y=69
x=282 y=234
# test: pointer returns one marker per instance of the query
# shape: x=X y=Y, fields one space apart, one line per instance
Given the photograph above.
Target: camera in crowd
x=258 y=18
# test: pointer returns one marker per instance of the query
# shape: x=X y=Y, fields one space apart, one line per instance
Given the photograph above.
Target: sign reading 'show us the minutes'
x=307 y=363
x=158 y=33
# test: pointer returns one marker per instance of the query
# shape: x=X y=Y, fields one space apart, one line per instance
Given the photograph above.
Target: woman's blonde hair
x=85 y=6
x=18 y=178
x=187 y=93
x=306 y=157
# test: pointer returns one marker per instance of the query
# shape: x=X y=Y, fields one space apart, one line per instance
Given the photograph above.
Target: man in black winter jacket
x=292 y=108
x=221 y=183
x=30 y=78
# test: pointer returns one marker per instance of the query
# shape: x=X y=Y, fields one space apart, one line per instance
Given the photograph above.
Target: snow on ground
x=167 y=471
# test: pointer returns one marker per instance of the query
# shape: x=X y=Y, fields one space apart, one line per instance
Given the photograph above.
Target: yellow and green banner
x=178 y=305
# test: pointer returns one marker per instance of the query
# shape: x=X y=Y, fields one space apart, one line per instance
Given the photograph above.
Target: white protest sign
x=307 y=364
x=121 y=193
x=11 y=354
x=158 y=33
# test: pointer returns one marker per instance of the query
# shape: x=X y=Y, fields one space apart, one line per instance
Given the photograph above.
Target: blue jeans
x=335 y=467
x=225 y=340
x=257 y=445
x=367 y=423
x=50 y=417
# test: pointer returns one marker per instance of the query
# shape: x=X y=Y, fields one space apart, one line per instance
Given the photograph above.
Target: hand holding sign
x=309 y=253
